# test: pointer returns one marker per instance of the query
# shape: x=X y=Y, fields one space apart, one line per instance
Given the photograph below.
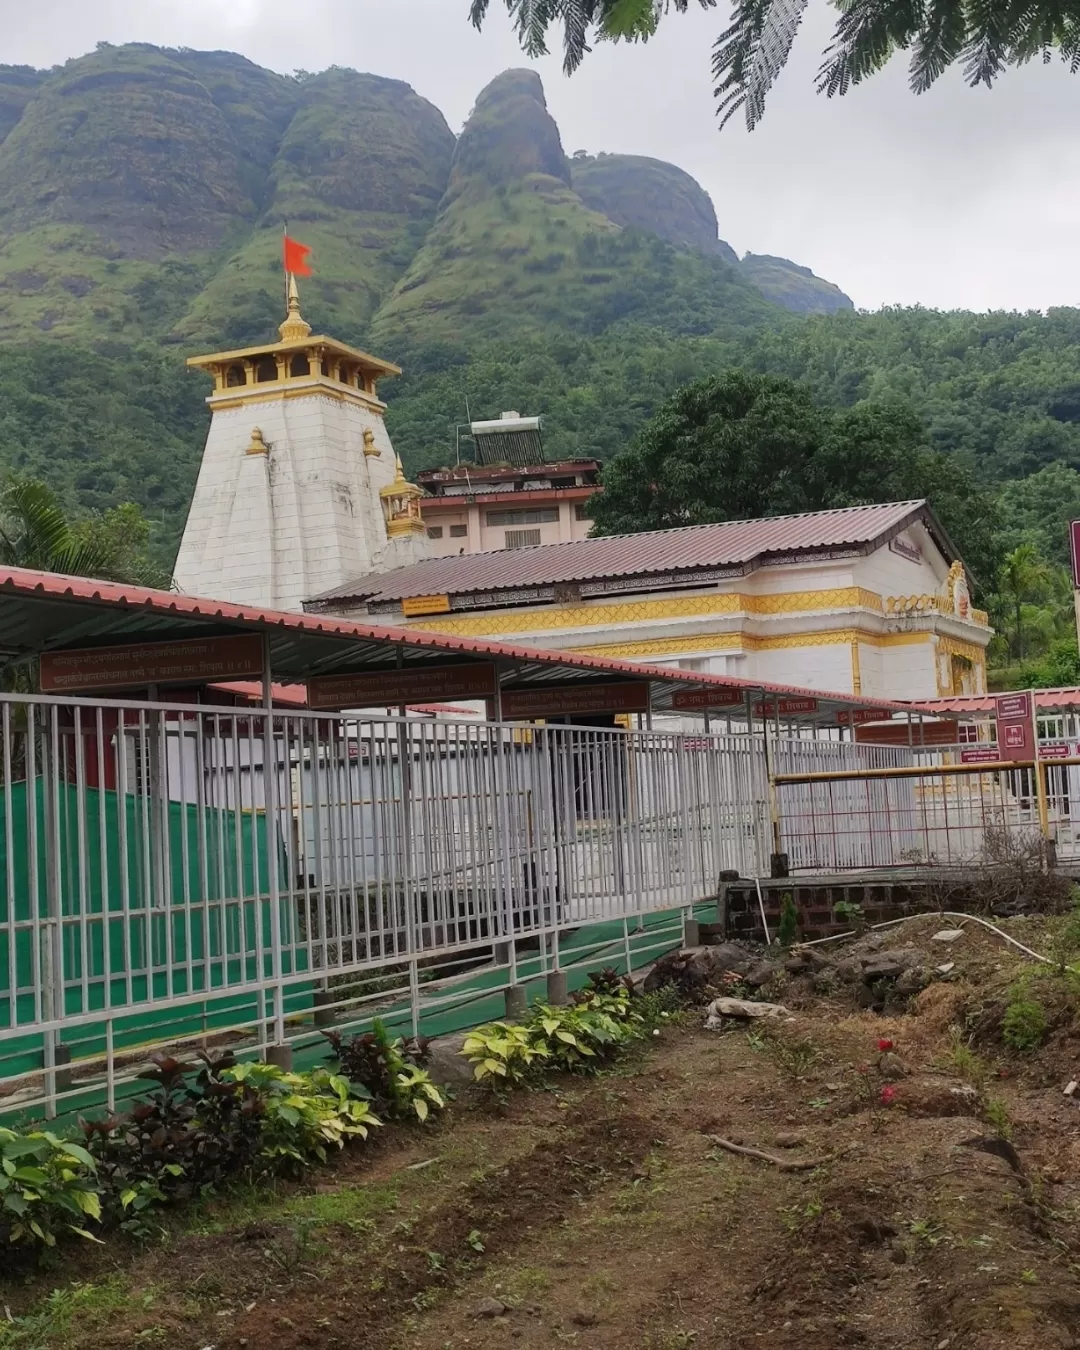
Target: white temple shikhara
x=299 y=488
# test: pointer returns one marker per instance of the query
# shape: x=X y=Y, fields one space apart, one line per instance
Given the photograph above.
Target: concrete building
x=475 y=508
x=870 y=600
x=299 y=487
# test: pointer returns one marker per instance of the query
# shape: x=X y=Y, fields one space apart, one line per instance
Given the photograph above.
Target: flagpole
x=284 y=236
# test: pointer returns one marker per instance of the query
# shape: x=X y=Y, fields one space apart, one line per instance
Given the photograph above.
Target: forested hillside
x=142 y=198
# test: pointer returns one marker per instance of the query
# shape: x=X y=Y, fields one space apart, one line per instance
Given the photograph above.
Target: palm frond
x=577 y=16
x=866 y=35
x=478 y=12
x=772 y=46
x=942 y=37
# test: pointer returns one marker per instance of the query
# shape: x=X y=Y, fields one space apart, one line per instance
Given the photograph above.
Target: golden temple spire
x=294 y=328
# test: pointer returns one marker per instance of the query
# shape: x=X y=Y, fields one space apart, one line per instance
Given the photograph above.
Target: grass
x=69 y=1312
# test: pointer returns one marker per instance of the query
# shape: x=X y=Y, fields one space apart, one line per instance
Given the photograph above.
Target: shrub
x=389 y=1071
x=48 y=1185
x=1024 y=1025
x=789 y=922
x=303 y=1114
x=606 y=981
x=501 y=1051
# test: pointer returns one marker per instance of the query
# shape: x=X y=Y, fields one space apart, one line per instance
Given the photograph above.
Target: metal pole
x=278 y=1051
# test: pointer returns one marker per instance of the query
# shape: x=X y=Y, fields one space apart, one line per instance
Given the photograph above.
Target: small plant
x=388 y=1071
x=788 y=933
x=501 y=1052
x=965 y=1061
x=609 y=981
x=927 y=1231
x=47 y=1185
x=305 y=1114
x=1024 y=1026
x=997 y=1117
x=1065 y=936
x=847 y=911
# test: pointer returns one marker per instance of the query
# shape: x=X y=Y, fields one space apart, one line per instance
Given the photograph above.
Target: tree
x=739 y=445
x=1024 y=576
x=986 y=36
x=36 y=533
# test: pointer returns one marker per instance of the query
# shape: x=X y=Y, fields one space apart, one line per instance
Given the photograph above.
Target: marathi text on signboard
x=786 y=707
x=855 y=716
x=190 y=661
x=980 y=754
x=390 y=688
x=715 y=697
x=569 y=699
x=1015 y=715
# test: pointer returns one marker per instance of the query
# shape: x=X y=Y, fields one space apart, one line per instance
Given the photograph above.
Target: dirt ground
x=944 y=1212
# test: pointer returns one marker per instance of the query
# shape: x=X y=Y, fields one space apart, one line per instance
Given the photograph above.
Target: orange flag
x=296 y=258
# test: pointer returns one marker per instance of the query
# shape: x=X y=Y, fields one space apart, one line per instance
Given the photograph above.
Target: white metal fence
x=170 y=870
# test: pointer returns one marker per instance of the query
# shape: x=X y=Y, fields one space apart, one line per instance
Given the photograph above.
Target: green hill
x=142 y=197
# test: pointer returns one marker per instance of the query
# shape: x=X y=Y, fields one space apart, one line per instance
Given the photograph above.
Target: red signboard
x=983 y=754
x=788 y=707
x=568 y=699
x=1074 y=544
x=390 y=688
x=1015 y=715
x=1055 y=750
x=900 y=733
x=707 y=698
x=192 y=661
x=857 y=715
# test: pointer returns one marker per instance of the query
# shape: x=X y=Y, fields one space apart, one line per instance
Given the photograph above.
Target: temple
x=299 y=487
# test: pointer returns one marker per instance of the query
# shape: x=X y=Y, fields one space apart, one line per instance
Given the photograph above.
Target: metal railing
x=171 y=871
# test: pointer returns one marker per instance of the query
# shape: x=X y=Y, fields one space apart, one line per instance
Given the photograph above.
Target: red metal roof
x=732 y=543
x=1048 y=700
x=295 y=696
x=43 y=611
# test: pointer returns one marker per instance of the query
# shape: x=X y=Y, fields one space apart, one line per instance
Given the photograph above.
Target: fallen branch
x=784 y=1164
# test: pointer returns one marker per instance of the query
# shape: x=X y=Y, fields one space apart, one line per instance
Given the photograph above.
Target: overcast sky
x=957 y=198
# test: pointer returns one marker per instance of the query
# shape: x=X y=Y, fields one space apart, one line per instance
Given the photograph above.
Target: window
x=299 y=366
x=435 y=531
x=581 y=511
x=265 y=370
x=458 y=531
x=522 y=538
x=540 y=515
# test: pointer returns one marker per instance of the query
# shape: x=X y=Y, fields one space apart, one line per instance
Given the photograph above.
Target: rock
x=912 y=981
x=873 y=1230
x=891 y=1066
x=582 y=1318
x=490 y=1307
x=888 y=965
x=1071 y=1088
x=948 y=935
x=727 y=956
x=445 y=1062
x=692 y=971
x=898 y=1254
x=789 y=1138
x=850 y=970
x=760 y=975
x=741 y=1008
x=946 y=969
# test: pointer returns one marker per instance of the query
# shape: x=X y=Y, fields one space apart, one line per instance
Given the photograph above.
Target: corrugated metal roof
x=732 y=543
x=1046 y=700
x=43 y=611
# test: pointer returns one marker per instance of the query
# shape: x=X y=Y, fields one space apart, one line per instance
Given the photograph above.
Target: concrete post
x=281 y=1056
x=691 y=933
x=65 y=1079
x=324 y=1015
x=556 y=988
x=517 y=1002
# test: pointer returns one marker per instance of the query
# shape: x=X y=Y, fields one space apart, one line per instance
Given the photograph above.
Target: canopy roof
x=45 y=612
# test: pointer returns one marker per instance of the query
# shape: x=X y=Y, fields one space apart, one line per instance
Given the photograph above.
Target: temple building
x=299 y=487
x=509 y=495
x=869 y=600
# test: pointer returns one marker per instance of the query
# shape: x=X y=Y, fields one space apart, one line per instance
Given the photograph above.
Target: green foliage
x=578 y=1038
x=501 y=1052
x=741 y=445
x=1025 y=1025
x=389 y=1071
x=48 y=1185
x=847 y=911
x=304 y=1115
x=1064 y=944
x=753 y=49
x=788 y=932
